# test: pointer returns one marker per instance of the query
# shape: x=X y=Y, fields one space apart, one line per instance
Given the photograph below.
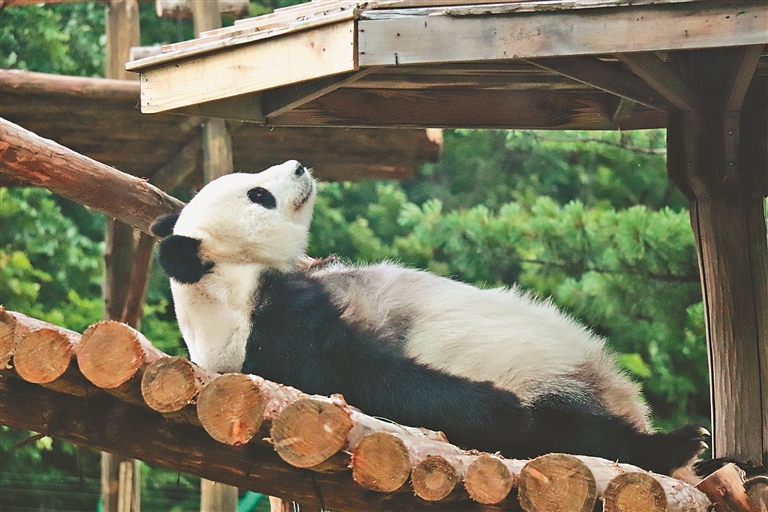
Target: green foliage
x=65 y=39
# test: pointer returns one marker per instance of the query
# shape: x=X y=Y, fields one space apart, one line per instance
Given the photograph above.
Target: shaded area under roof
x=545 y=64
x=100 y=118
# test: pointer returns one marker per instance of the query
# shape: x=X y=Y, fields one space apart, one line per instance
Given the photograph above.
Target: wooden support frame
x=717 y=157
x=596 y=73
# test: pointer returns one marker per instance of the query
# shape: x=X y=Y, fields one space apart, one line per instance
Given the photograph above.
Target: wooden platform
x=550 y=64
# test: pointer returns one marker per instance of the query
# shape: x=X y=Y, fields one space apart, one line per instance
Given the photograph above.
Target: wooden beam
x=464 y=109
x=623 y=112
x=182 y=9
x=109 y=424
x=745 y=65
x=327 y=50
x=597 y=73
x=412 y=36
x=172 y=174
x=663 y=78
x=43 y=163
x=719 y=159
x=276 y=102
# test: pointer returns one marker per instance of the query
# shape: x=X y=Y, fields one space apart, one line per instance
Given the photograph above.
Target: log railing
x=110 y=389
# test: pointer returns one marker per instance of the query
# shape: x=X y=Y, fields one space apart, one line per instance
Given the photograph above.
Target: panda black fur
x=496 y=370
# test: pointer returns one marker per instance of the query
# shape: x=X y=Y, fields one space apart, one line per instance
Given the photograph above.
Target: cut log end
x=43 y=355
x=171 y=383
x=757 y=493
x=110 y=354
x=434 y=478
x=309 y=431
x=488 y=480
x=231 y=409
x=635 y=492
x=725 y=488
x=381 y=463
x=557 y=482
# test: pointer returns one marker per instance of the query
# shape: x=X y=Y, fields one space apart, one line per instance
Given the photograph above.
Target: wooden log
x=114 y=356
x=490 y=479
x=646 y=492
x=725 y=489
x=231 y=408
x=107 y=423
x=172 y=383
x=13 y=327
x=296 y=431
x=436 y=478
x=381 y=463
x=310 y=431
x=757 y=493
x=44 y=163
x=557 y=482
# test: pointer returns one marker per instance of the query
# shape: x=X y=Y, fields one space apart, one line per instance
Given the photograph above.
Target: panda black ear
x=163 y=225
x=180 y=259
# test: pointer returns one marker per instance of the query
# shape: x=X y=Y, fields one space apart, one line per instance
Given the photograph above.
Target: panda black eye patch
x=263 y=197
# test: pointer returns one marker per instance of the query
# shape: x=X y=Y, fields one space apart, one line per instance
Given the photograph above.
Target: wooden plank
x=615 y=80
x=196 y=47
x=328 y=50
x=396 y=38
x=485 y=6
x=662 y=77
x=464 y=109
x=276 y=102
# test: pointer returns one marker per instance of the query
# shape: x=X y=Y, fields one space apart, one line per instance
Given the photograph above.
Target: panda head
x=240 y=218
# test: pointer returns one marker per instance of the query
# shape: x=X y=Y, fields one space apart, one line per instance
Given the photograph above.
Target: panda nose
x=300 y=169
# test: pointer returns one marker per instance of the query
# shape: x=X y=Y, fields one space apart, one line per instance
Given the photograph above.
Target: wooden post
x=122 y=28
x=718 y=158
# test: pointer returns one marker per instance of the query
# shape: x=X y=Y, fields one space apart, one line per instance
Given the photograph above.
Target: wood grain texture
x=42 y=162
x=405 y=37
x=328 y=50
x=109 y=424
x=465 y=109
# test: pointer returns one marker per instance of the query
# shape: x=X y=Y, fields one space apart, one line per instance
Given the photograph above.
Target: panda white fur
x=496 y=369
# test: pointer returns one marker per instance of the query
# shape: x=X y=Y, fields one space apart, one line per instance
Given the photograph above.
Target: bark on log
x=646 y=492
x=490 y=479
x=114 y=356
x=757 y=493
x=172 y=383
x=44 y=163
x=725 y=488
x=43 y=353
x=311 y=431
x=109 y=424
x=557 y=482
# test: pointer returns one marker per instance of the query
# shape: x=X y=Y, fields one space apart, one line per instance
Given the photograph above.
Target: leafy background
x=588 y=218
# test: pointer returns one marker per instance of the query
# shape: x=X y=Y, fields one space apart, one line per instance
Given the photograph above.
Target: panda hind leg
x=580 y=426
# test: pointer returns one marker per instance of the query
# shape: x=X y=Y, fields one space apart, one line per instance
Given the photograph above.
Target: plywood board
x=326 y=51
x=413 y=36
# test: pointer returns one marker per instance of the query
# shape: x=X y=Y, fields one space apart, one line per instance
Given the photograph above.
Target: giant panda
x=494 y=369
